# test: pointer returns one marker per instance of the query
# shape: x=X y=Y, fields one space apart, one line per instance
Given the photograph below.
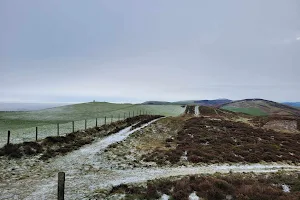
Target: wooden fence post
x=119 y=117
x=105 y=120
x=8 y=137
x=111 y=119
x=96 y=122
x=36 y=133
x=129 y=114
x=73 y=126
x=61 y=186
x=124 y=116
x=57 y=129
x=85 y=124
x=132 y=113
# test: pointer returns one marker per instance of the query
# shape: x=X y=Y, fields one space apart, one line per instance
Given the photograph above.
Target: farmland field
x=250 y=111
x=22 y=124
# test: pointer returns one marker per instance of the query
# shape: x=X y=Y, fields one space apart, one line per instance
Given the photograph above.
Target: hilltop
x=261 y=107
x=213 y=102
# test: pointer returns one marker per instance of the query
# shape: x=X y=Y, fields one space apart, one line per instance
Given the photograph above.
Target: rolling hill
x=214 y=102
x=261 y=107
x=75 y=112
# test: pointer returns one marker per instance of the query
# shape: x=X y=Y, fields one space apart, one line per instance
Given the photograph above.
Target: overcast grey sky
x=137 y=50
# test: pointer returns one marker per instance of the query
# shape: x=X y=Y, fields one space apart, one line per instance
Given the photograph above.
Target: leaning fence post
x=61 y=186
x=96 y=122
x=8 y=137
x=36 y=133
x=105 y=120
x=85 y=124
x=57 y=129
x=73 y=126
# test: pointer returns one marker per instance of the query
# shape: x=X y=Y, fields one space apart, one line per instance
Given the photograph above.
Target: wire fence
x=61 y=129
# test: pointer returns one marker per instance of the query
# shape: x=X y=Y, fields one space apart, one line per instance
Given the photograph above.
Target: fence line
x=59 y=129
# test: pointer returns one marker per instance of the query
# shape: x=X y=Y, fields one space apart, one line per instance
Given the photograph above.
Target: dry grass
x=141 y=143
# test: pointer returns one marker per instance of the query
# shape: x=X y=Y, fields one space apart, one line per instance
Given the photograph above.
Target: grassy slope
x=250 y=111
x=266 y=106
x=22 y=124
x=76 y=112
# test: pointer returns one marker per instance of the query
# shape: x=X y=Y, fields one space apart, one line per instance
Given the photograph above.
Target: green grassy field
x=250 y=111
x=22 y=124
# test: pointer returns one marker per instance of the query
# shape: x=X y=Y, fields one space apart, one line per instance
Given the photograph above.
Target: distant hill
x=157 y=103
x=185 y=102
x=214 y=102
x=28 y=106
x=260 y=107
x=294 y=104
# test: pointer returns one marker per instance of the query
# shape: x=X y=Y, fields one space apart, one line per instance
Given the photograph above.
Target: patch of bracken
x=212 y=141
x=218 y=187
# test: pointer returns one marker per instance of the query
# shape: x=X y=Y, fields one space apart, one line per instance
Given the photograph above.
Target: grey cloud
x=140 y=50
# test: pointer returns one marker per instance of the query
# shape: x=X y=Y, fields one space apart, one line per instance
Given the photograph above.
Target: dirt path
x=197 y=113
x=216 y=112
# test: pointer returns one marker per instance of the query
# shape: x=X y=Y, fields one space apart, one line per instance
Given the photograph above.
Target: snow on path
x=75 y=163
x=144 y=174
x=197 y=111
x=78 y=187
x=86 y=172
x=90 y=154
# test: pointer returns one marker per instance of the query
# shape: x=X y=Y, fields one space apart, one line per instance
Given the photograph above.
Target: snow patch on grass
x=193 y=196
x=164 y=197
x=285 y=188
